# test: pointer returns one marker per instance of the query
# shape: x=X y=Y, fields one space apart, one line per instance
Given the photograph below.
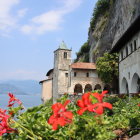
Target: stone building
x=128 y=47
x=68 y=77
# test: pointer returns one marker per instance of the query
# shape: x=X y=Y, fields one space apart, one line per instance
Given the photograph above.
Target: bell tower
x=62 y=61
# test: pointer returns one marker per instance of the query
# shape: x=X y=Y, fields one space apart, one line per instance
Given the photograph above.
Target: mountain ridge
x=23 y=87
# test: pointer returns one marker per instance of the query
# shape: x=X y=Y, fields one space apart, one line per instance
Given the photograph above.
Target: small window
x=65 y=54
x=126 y=51
x=122 y=55
x=131 y=47
x=135 y=45
x=75 y=74
x=87 y=74
x=66 y=74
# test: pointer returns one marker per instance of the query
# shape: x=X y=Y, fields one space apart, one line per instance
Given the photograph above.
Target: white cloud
x=70 y=5
x=7 y=21
x=22 y=12
x=26 y=29
x=40 y=24
x=51 y=20
x=46 y=22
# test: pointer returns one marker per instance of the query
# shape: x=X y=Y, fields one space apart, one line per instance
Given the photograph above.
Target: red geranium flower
x=13 y=100
x=138 y=104
x=85 y=104
x=4 y=126
x=60 y=115
x=99 y=107
x=100 y=96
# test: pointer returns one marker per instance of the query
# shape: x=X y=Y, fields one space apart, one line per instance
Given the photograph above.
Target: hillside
x=20 y=87
x=6 y=88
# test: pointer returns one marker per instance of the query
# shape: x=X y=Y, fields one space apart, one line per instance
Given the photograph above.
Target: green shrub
x=100 y=9
x=33 y=123
x=83 y=53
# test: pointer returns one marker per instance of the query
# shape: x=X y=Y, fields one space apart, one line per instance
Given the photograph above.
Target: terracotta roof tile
x=82 y=65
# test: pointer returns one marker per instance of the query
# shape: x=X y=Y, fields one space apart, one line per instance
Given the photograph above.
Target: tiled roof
x=82 y=65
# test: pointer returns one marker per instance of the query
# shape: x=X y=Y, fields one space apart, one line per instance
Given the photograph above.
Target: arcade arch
x=135 y=84
x=78 y=88
x=124 y=86
x=88 y=87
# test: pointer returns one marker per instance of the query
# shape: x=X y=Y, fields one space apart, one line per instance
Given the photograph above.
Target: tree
x=83 y=54
x=107 y=69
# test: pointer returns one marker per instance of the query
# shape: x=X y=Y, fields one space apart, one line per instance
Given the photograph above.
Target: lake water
x=27 y=100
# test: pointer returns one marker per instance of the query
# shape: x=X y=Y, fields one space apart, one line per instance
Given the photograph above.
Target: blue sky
x=30 y=30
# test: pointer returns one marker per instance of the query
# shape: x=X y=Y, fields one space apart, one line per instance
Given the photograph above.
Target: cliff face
x=111 y=25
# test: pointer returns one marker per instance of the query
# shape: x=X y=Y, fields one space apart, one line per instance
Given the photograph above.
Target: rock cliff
x=110 y=24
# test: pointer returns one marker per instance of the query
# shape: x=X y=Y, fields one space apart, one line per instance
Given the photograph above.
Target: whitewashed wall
x=129 y=66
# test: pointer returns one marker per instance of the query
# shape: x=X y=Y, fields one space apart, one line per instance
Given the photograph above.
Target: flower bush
x=60 y=115
x=95 y=117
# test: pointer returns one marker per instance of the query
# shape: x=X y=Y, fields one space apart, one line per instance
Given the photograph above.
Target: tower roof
x=63 y=46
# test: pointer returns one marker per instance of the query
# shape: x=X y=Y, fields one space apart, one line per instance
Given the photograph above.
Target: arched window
x=75 y=74
x=131 y=47
x=135 y=45
x=97 y=87
x=87 y=74
x=78 y=88
x=135 y=84
x=88 y=87
x=122 y=55
x=124 y=86
x=65 y=54
x=126 y=51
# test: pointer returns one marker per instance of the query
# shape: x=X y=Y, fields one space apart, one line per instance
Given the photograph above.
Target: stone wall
x=82 y=79
x=61 y=67
x=46 y=90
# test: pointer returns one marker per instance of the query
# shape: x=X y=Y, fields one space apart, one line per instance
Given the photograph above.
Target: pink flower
x=60 y=115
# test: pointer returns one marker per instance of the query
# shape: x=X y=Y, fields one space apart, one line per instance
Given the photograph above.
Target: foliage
x=100 y=9
x=83 y=53
x=33 y=123
x=107 y=67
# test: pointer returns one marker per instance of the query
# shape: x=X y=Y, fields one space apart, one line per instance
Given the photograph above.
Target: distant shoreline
x=21 y=94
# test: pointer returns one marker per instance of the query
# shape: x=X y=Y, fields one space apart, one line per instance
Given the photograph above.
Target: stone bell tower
x=62 y=61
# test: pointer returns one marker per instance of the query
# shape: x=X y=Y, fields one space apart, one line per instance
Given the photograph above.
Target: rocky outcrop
x=111 y=25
